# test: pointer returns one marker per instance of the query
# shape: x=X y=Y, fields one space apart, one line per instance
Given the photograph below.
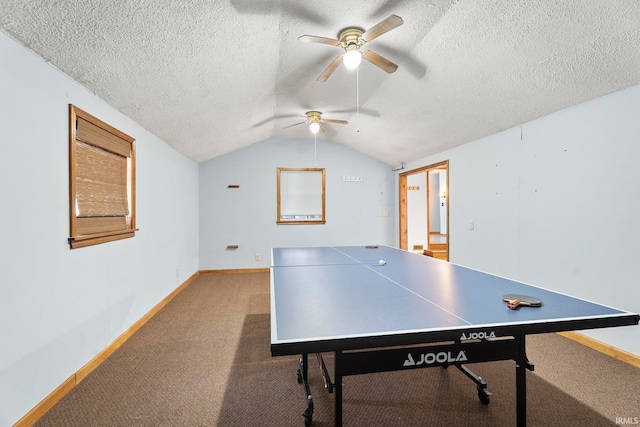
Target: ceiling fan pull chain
x=357 y=99
x=315 y=150
x=357 y=93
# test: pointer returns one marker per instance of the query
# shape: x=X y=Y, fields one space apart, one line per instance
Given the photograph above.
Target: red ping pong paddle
x=516 y=300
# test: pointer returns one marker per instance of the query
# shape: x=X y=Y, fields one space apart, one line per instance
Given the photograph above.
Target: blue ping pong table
x=408 y=312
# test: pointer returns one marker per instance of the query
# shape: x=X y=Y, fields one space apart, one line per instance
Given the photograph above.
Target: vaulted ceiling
x=209 y=77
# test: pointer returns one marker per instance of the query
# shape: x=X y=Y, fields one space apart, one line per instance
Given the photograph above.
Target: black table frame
x=360 y=355
x=457 y=354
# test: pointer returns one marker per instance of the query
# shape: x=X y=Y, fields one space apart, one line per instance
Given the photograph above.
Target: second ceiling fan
x=351 y=39
x=315 y=121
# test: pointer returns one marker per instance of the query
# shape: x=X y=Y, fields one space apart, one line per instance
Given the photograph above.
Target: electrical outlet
x=257 y=257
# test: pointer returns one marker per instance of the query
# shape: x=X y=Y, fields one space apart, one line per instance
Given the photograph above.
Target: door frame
x=403 y=193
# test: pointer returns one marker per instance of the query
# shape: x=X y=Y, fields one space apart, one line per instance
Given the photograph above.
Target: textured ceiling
x=209 y=77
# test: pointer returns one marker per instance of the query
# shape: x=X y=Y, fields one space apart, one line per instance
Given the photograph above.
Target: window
x=301 y=196
x=101 y=181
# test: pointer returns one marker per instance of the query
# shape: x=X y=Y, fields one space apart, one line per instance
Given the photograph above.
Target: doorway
x=424 y=210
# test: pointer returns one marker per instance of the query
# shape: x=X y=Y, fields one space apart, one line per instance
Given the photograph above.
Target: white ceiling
x=209 y=77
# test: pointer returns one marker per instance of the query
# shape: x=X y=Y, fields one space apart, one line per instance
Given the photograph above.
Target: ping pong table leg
x=338 y=388
x=303 y=376
x=521 y=383
x=326 y=378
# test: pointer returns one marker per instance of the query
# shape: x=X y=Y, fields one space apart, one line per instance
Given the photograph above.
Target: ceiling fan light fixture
x=352 y=59
x=351 y=39
x=314 y=127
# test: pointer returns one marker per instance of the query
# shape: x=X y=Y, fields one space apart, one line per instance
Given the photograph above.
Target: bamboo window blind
x=102 y=181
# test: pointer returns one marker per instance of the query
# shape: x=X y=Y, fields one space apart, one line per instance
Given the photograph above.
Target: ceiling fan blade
x=382 y=27
x=317 y=39
x=269 y=119
x=330 y=69
x=341 y=122
x=360 y=110
x=295 y=124
x=379 y=61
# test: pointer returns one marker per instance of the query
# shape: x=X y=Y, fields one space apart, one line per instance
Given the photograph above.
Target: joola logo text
x=477 y=335
x=431 y=358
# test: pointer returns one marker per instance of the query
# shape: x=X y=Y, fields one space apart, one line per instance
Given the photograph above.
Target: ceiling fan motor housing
x=350 y=38
x=314 y=116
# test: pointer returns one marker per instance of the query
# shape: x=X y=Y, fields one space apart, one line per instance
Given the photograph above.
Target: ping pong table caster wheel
x=308 y=414
x=483 y=395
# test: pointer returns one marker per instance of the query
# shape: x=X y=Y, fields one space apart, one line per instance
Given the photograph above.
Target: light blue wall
x=247 y=216
x=60 y=307
x=543 y=213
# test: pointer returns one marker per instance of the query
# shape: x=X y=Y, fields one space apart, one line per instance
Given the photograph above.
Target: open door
x=424 y=210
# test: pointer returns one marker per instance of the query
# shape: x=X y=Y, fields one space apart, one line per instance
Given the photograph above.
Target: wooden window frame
x=100 y=210
x=309 y=221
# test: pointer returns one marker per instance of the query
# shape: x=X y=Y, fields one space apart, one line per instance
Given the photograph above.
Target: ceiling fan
x=351 y=39
x=315 y=121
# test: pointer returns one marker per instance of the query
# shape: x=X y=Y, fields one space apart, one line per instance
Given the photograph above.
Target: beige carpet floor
x=204 y=360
